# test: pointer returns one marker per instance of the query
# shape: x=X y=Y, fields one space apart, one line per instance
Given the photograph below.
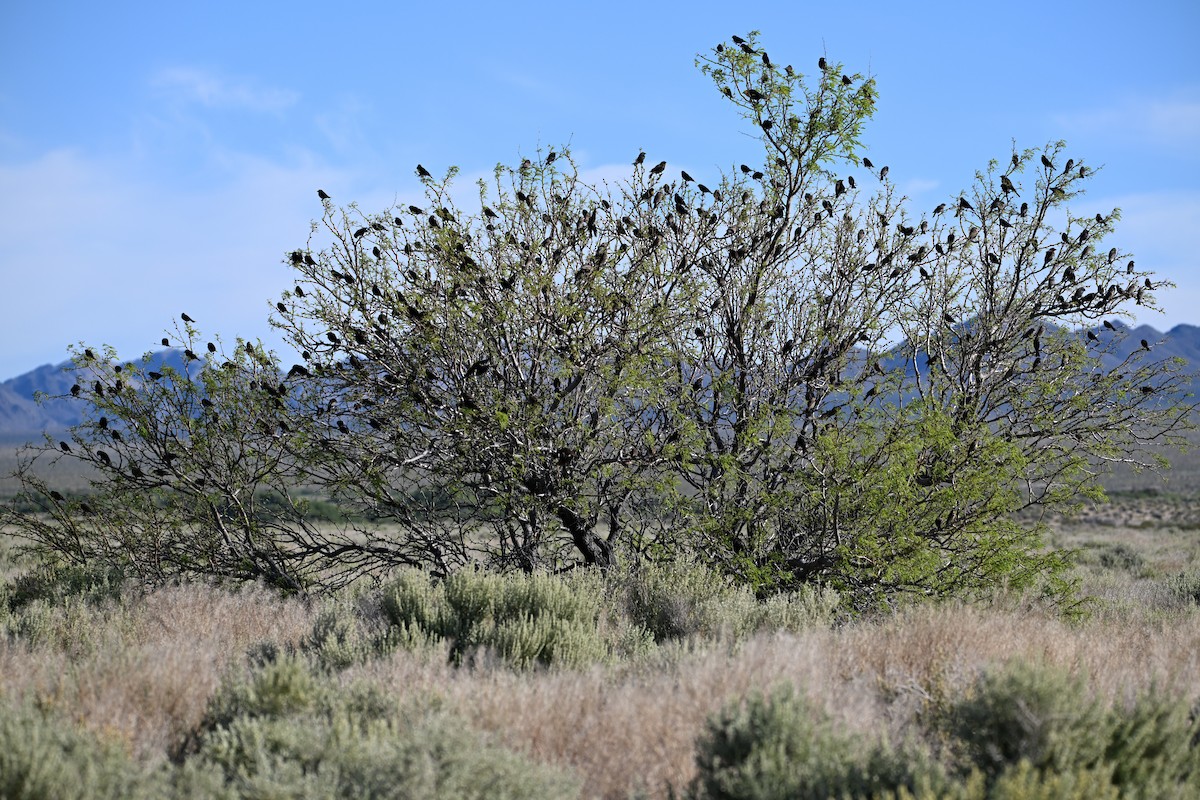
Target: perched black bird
x=75 y=390
x=1145 y=345
x=190 y=355
x=641 y=157
x=103 y=456
x=154 y=376
x=1109 y=325
x=212 y=348
x=309 y=260
x=658 y=168
x=299 y=292
x=738 y=40
x=186 y=318
x=822 y=63
x=1149 y=284
x=166 y=342
x=867 y=163
x=1092 y=337
x=1147 y=390
x=103 y=423
x=964 y=204
x=282 y=308
x=321 y=193
x=66 y=448
x=883 y=171
x=846 y=80
x=1007 y=186
x=424 y=173
x=1046 y=162
x=685 y=176
x=98 y=388
x=57 y=495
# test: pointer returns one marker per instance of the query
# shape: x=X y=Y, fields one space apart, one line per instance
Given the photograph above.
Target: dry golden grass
x=142 y=671
x=635 y=727
x=146 y=671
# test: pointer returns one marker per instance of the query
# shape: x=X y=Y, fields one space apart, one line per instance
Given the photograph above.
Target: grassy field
x=652 y=683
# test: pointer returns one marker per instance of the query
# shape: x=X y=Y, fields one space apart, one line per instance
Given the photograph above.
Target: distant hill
x=23 y=419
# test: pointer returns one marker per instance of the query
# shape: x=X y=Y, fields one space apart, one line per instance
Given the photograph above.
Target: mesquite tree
x=786 y=369
x=507 y=361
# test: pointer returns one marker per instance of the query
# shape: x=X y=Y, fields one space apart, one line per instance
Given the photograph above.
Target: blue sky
x=163 y=157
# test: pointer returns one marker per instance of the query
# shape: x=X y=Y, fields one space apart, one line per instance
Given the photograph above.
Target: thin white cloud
x=1167 y=121
x=215 y=91
x=96 y=250
x=1159 y=229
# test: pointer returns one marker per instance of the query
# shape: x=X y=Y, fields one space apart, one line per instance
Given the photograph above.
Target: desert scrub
x=781 y=746
x=526 y=619
x=283 y=730
x=45 y=757
x=684 y=599
x=1048 y=721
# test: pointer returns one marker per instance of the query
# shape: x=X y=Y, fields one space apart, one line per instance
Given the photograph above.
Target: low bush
x=781 y=747
x=43 y=757
x=684 y=599
x=525 y=619
x=283 y=731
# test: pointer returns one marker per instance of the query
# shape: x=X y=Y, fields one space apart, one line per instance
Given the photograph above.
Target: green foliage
x=781 y=747
x=1120 y=556
x=1153 y=748
x=44 y=758
x=284 y=732
x=524 y=619
x=1028 y=713
x=1038 y=719
x=685 y=599
x=1185 y=586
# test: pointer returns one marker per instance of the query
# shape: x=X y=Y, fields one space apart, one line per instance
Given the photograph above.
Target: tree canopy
x=784 y=368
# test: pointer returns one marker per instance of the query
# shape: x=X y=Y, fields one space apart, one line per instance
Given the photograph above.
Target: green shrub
x=1021 y=712
x=526 y=619
x=1185 y=586
x=1154 y=748
x=685 y=599
x=781 y=747
x=285 y=732
x=1120 y=556
x=43 y=757
x=1041 y=717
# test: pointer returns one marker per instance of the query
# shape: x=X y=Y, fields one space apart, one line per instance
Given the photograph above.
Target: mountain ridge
x=23 y=418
